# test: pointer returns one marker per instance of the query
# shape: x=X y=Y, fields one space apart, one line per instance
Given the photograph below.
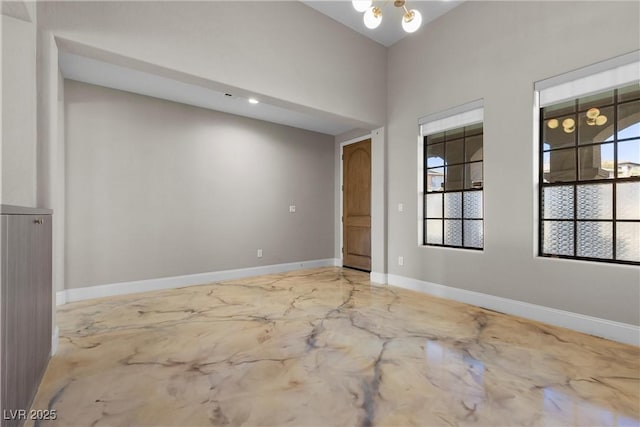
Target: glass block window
x=453 y=213
x=590 y=177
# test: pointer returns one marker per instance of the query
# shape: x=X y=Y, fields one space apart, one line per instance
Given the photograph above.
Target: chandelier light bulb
x=600 y=120
x=592 y=113
x=411 y=21
x=373 y=17
x=568 y=123
x=553 y=123
x=361 y=5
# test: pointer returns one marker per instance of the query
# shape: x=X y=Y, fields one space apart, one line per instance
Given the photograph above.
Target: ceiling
x=93 y=71
x=390 y=30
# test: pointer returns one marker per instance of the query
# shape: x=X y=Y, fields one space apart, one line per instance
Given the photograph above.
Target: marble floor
x=323 y=347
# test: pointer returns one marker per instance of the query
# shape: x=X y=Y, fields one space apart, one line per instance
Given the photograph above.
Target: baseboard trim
x=61 y=298
x=54 y=340
x=616 y=331
x=380 y=278
x=124 y=288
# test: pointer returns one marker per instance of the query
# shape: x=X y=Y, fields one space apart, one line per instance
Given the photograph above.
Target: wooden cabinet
x=25 y=304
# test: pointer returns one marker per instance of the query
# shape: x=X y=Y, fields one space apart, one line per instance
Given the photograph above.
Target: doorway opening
x=356 y=205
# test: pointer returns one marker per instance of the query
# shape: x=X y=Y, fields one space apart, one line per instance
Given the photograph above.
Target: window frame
x=577 y=181
x=462 y=190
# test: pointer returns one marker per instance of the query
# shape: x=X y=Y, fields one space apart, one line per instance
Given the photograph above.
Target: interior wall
x=284 y=50
x=378 y=204
x=160 y=189
x=59 y=176
x=19 y=112
x=466 y=55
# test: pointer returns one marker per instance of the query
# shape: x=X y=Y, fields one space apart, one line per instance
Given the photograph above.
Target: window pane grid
x=591 y=181
x=631 y=138
x=604 y=105
x=453 y=188
x=596 y=232
x=454 y=164
x=588 y=145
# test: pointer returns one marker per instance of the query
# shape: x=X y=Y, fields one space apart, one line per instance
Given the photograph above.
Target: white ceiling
x=390 y=29
x=88 y=70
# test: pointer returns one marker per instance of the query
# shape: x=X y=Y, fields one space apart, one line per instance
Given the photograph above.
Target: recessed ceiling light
x=253 y=101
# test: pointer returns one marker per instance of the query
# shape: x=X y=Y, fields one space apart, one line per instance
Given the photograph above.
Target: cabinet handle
x=38 y=221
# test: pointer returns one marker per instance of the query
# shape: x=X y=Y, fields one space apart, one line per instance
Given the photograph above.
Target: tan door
x=356 y=206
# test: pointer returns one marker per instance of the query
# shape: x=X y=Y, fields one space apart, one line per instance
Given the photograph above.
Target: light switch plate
x=259 y=253
x=400 y=207
x=292 y=208
x=401 y=260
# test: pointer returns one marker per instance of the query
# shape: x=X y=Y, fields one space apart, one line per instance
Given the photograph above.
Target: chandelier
x=411 y=19
x=594 y=118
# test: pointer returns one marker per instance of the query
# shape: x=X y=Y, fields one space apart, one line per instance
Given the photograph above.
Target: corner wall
x=463 y=56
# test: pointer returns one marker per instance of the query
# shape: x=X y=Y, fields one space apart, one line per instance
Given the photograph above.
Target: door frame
x=378 y=205
x=342 y=145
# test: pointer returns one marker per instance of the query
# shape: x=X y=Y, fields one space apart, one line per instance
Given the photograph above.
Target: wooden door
x=356 y=206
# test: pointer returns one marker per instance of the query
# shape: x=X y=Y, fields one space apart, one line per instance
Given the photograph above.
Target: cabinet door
x=26 y=308
x=16 y=289
x=5 y=359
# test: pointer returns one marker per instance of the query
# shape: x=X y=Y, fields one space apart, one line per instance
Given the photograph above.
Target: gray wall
x=496 y=51
x=157 y=189
x=19 y=144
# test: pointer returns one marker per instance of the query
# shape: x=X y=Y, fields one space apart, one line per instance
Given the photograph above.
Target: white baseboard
x=123 y=288
x=61 y=298
x=616 y=331
x=376 y=277
x=54 y=340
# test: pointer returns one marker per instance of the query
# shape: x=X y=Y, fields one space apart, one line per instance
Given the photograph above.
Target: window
x=590 y=176
x=453 y=195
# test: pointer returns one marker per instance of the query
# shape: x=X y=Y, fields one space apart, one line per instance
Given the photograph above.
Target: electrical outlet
x=400 y=207
x=401 y=260
x=259 y=253
x=292 y=209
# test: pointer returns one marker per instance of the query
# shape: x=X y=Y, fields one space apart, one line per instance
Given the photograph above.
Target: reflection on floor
x=323 y=347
